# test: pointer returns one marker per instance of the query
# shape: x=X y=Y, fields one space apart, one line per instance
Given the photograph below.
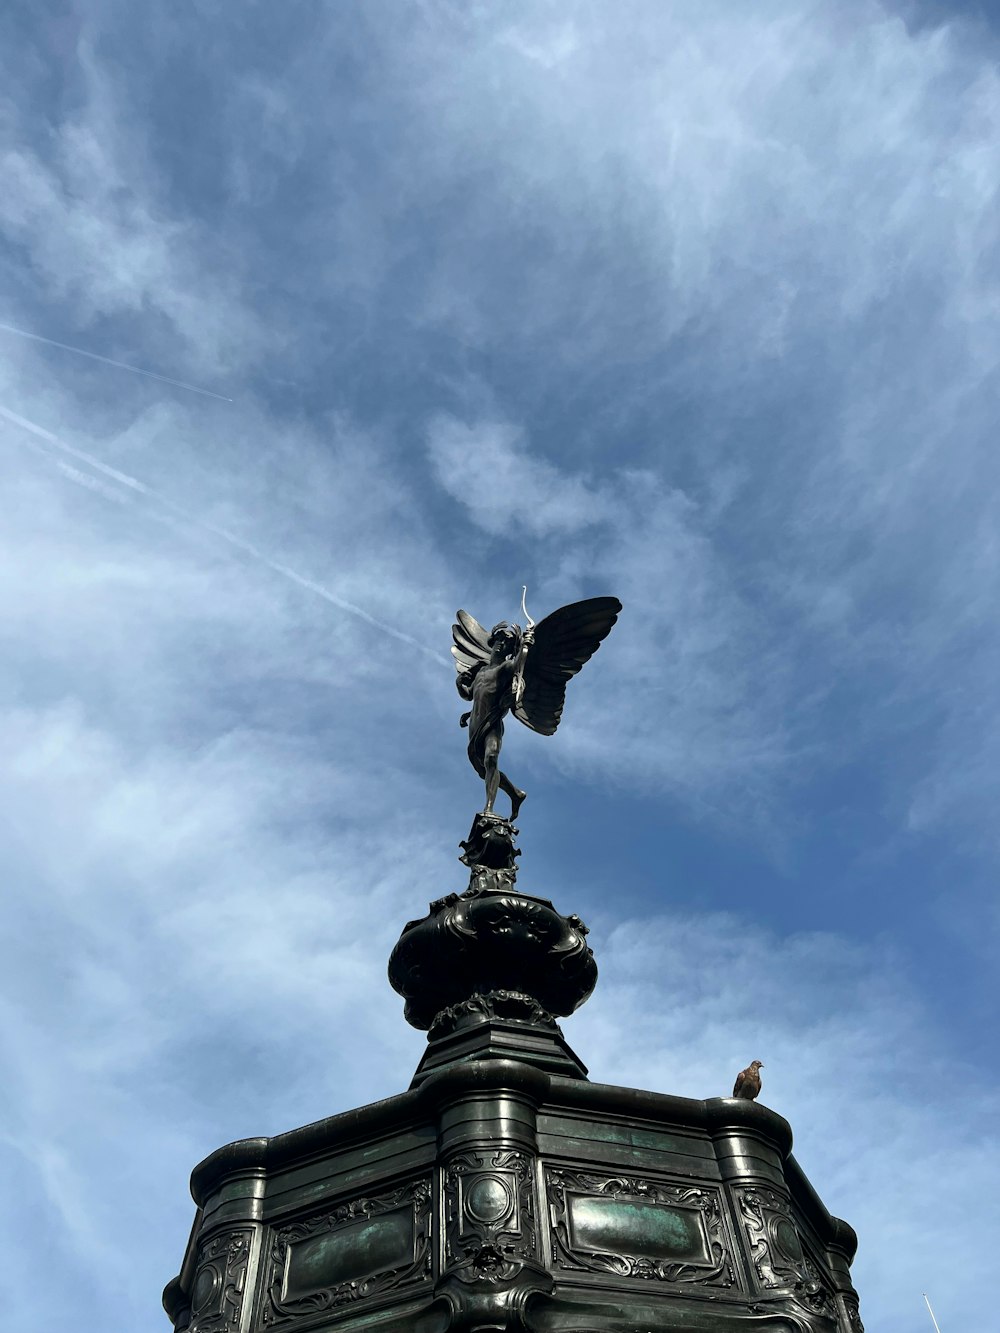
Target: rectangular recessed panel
x=358 y=1250
x=602 y=1131
x=637 y=1227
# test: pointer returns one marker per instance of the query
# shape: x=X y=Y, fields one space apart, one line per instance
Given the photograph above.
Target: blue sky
x=696 y=304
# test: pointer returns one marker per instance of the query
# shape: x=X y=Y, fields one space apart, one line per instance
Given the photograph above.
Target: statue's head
x=505 y=640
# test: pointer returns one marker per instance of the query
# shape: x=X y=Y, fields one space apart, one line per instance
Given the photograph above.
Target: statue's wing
x=471 y=645
x=564 y=641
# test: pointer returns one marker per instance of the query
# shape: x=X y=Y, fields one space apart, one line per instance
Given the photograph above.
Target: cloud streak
x=108 y=361
x=230 y=538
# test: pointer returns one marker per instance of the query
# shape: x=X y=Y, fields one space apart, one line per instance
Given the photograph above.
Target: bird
x=747 y=1083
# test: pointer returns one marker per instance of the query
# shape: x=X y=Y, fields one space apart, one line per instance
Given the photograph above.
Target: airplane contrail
x=108 y=361
x=248 y=548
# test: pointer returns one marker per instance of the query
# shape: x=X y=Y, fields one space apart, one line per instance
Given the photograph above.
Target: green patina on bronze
x=574 y=1132
x=634 y=1227
x=357 y=1250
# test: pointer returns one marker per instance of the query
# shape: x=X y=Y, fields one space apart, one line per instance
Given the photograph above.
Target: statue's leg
x=515 y=793
x=491 y=753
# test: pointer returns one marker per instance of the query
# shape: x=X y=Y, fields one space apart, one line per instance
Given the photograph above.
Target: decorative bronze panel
x=356 y=1251
x=489 y=1214
x=650 y=1230
x=219 y=1286
x=635 y=1227
x=778 y=1256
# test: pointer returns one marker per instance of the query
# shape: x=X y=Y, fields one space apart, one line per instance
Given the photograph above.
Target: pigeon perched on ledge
x=747 y=1083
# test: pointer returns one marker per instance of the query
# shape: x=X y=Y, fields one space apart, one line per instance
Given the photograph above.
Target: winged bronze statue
x=507 y=669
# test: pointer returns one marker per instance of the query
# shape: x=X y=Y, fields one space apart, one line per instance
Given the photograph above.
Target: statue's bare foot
x=516 y=801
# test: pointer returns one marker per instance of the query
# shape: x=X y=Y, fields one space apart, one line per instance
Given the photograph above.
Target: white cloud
x=733 y=276
x=489 y=469
x=80 y=204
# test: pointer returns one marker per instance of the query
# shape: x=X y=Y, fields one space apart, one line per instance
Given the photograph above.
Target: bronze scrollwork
x=707 y=1263
x=410 y=1202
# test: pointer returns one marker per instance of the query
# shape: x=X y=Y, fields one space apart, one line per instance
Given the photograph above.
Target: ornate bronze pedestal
x=504 y=1191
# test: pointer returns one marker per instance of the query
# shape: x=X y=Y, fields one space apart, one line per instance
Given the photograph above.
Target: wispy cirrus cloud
x=691 y=305
x=85 y=212
x=506 y=487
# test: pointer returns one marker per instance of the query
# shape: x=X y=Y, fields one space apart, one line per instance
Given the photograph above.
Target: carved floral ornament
x=220 y=1282
x=498 y=1004
x=777 y=1254
x=490 y=1228
x=361 y=1249
x=488 y=942
x=660 y=1231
